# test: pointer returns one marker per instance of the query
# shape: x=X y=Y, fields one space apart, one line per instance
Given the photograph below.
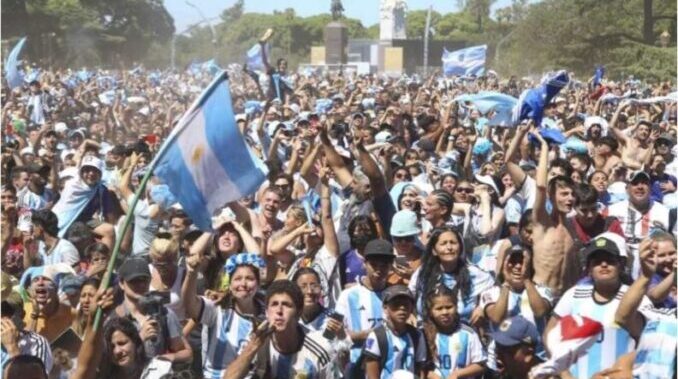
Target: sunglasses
x=465 y=190
x=403 y=239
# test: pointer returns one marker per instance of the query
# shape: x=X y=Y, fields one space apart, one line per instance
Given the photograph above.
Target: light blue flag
x=487 y=101
x=211 y=66
x=468 y=61
x=34 y=74
x=205 y=160
x=255 y=59
x=13 y=76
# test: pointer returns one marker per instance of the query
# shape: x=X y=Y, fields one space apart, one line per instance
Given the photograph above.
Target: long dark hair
x=216 y=266
x=126 y=327
x=431 y=274
x=430 y=328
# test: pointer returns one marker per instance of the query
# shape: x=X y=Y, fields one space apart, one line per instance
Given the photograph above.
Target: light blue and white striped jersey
x=458 y=350
x=400 y=354
x=518 y=304
x=313 y=361
x=318 y=323
x=30 y=343
x=480 y=282
x=656 y=352
x=614 y=341
x=224 y=334
x=362 y=310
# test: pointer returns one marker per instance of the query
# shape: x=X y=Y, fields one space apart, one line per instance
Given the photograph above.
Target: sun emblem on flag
x=198 y=152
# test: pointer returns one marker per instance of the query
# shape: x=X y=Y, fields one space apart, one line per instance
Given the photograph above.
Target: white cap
x=60 y=127
x=487 y=180
x=382 y=136
x=68 y=172
x=240 y=117
x=66 y=152
x=294 y=108
x=42 y=152
x=92 y=161
x=27 y=150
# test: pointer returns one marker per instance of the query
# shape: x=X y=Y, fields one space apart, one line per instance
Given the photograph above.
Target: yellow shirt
x=53 y=326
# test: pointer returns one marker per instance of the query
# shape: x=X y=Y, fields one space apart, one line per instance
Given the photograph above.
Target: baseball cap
x=487 y=180
x=92 y=161
x=134 y=268
x=515 y=331
x=404 y=224
x=640 y=174
x=395 y=291
x=60 y=127
x=379 y=248
x=666 y=137
x=600 y=243
x=382 y=136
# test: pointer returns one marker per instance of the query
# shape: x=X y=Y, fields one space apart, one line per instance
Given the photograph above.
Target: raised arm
x=343 y=175
x=627 y=313
x=618 y=134
x=189 y=288
x=517 y=174
x=371 y=170
x=539 y=215
x=329 y=234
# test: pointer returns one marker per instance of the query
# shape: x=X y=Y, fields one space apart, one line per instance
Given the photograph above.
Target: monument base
x=336 y=39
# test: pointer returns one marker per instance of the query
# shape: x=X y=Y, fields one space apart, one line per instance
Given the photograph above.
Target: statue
x=336 y=9
x=392 y=19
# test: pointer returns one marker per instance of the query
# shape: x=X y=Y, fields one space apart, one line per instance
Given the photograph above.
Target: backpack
x=358 y=371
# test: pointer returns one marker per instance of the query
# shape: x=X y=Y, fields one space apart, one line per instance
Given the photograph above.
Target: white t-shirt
x=144 y=226
x=63 y=252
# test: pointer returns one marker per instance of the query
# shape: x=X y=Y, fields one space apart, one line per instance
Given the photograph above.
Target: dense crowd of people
x=399 y=233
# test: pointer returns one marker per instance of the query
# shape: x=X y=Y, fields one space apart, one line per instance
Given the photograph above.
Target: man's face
x=586 y=214
x=595 y=131
x=50 y=141
x=639 y=191
x=665 y=256
x=271 y=204
x=43 y=290
x=642 y=132
x=90 y=175
x=377 y=270
x=285 y=188
x=564 y=199
x=21 y=181
x=113 y=159
x=281 y=312
x=663 y=147
x=38 y=181
x=177 y=227
x=136 y=288
x=526 y=234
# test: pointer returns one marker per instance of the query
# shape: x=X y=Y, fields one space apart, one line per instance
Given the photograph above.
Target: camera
x=153 y=306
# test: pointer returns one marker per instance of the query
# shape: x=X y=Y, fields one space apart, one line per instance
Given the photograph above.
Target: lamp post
x=174 y=38
x=204 y=19
x=664 y=38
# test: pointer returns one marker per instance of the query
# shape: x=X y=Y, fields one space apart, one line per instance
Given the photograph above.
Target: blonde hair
x=161 y=247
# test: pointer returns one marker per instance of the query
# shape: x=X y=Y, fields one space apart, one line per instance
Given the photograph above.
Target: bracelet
x=34 y=316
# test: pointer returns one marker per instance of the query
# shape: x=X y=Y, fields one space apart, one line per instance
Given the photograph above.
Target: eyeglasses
x=403 y=239
x=463 y=189
x=282 y=185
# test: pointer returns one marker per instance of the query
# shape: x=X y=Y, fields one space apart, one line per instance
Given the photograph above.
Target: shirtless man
x=605 y=155
x=264 y=223
x=635 y=149
x=555 y=262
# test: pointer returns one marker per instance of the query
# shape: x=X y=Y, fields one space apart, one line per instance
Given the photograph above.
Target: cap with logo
x=92 y=161
x=515 y=331
x=638 y=175
x=604 y=243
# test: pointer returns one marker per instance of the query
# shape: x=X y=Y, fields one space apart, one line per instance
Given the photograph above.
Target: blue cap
x=405 y=224
x=514 y=331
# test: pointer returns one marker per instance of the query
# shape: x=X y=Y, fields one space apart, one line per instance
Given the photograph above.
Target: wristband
x=34 y=316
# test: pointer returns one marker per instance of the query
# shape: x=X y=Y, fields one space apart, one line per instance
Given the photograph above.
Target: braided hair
x=430 y=327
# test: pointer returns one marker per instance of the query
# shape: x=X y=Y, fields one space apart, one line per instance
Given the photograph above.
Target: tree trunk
x=648 y=22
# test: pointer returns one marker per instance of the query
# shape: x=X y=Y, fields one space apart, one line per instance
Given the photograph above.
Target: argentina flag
x=468 y=61
x=13 y=76
x=205 y=160
x=487 y=101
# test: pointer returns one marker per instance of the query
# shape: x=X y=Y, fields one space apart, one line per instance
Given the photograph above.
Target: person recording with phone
x=158 y=326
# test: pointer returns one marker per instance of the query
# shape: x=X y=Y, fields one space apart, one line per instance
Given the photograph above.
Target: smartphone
x=401 y=261
x=335 y=316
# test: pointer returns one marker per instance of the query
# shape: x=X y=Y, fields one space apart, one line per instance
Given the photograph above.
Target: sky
x=367 y=11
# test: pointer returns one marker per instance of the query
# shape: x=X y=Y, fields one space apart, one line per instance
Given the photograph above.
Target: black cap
x=394 y=291
x=640 y=174
x=379 y=248
x=133 y=268
x=666 y=137
x=601 y=244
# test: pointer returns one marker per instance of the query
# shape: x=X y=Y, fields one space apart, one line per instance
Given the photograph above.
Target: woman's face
x=432 y=210
x=507 y=181
x=310 y=287
x=244 y=283
x=229 y=241
x=599 y=181
x=489 y=169
x=401 y=175
x=123 y=350
x=86 y=297
x=449 y=184
x=292 y=221
x=447 y=248
x=443 y=311
x=463 y=192
x=409 y=199
x=99 y=258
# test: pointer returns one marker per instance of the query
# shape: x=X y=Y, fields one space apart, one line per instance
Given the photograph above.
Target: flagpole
x=105 y=282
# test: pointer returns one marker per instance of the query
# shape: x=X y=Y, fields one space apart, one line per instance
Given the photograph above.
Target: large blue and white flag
x=598 y=75
x=532 y=101
x=255 y=59
x=487 y=101
x=205 y=160
x=13 y=76
x=468 y=61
